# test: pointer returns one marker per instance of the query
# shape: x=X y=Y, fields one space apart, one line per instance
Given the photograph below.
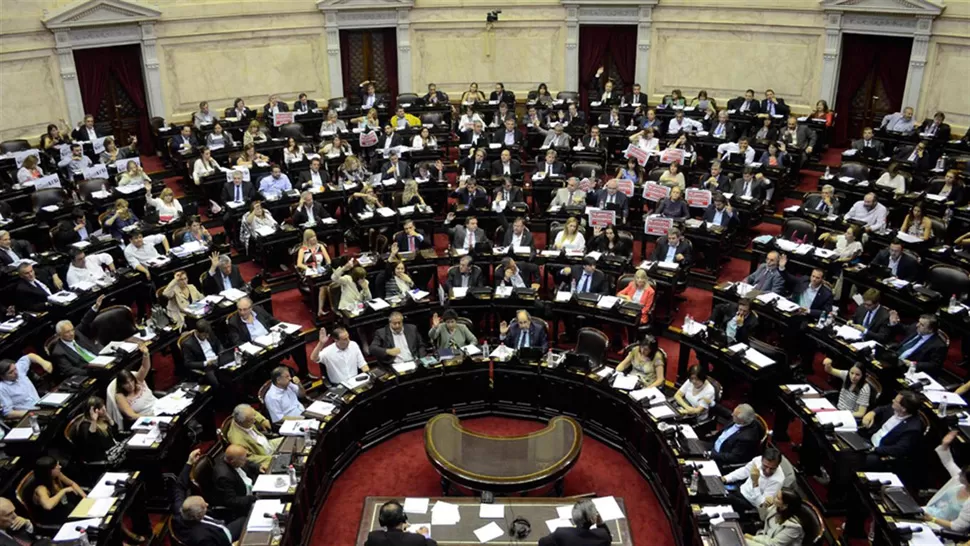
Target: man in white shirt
x=283 y=396
x=900 y=122
x=870 y=211
x=683 y=123
x=86 y=268
x=741 y=147
x=762 y=477
x=141 y=250
x=342 y=359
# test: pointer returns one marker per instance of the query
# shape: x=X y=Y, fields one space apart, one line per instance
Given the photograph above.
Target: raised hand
x=503 y=328
x=435 y=320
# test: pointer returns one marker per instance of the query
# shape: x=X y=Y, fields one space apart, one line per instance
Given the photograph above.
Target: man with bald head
x=249 y=322
x=233 y=476
x=190 y=524
x=14 y=530
x=611 y=198
x=247 y=430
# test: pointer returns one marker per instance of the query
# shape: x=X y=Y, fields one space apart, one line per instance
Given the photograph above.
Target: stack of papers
x=693 y=328
x=445 y=513
x=661 y=412
x=652 y=394
x=265 y=231
x=848 y=333
x=489 y=532
x=69 y=532
x=404 y=367
x=416 y=505
x=743 y=288
x=147 y=424
x=125 y=346
x=173 y=403
x=860 y=345
x=11 y=325
x=294 y=427
x=62 y=297
x=272 y=483
x=937 y=397
x=607 y=302
x=250 y=349
x=605 y=372
x=320 y=408
x=54 y=399
x=491 y=511
x=717 y=512
x=144 y=440
x=563 y=296
x=608 y=508
x=501 y=353
x=258 y=522
x=706 y=468
x=22 y=433
x=786 y=305
x=503 y=291
x=233 y=294
x=458 y=292
x=377 y=304
x=751 y=355
x=844 y=421
x=816 y=405
x=625 y=382
x=471 y=350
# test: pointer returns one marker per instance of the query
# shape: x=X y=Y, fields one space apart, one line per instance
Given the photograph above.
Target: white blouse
x=293 y=157
x=897 y=183
x=578 y=242
x=170 y=210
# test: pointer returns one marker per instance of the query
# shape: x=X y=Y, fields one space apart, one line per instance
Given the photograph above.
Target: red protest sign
x=637 y=153
x=671 y=155
x=602 y=218
x=698 y=198
x=655 y=192
x=625 y=186
x=656 y=225
x=282 y=118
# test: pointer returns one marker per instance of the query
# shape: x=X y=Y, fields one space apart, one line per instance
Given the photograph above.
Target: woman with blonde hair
x=249 y=156
x=411 y=195
x=352 y=171
x=369 y=122
x=29 y=170
x=167 y=205
x=311 y=258
x=639 y=291
x=256 y=218
x=120 y=218
x=180 y=294
x=570 y=238
x=134 y=174
x=253 y=135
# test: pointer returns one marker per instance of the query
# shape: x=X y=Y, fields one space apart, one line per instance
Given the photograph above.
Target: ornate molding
x=931 y=8
x=86 y=13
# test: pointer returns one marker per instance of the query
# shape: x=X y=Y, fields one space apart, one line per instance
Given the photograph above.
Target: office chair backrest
x=50 y=196
x=294 y=130
x=116 y=323
x=854 y=170
x=337 y=103
x=948 y=279
x=800 y=228
x=587 y=169
x=15 y=145
x=568 y=96
x=593 y=343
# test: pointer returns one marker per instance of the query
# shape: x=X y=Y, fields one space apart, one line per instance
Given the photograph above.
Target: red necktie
x=410 y=244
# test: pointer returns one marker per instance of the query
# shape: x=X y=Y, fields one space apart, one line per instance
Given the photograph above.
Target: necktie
x=720 y=129
x=932 y=130
x=747 y=189
x=866 y=321
x=771 y=108
x=238 y=193
x=471 y=240
x=523 y=339
x=822 y=206
x=908 y=345
x=88 y=357
x=763 y=281
x=570 y=197
x=41 y=285
x=410 y=244
x=584 y=285
x=912 y=157
x=867 y=143
x=548 y=168
x=475 y=170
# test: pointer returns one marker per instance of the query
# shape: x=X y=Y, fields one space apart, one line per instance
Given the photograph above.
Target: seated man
x=736 y=321
x=516 y=275
x=935 y=128
x=636 y=98
x=18 y=395
x=899 y=122
x=14 y=530
x=466 y=236
x=672 y=248
x=247 y=430
x=308 y=210
x=683 y=124
x=722 y=128
x=741 y=147
x=773 y=106
x=739 y=442
x=508 y=192
x=557 y=138
x=610 y=197
x=869 y=211
x=918 y=155
x=750 y=185
x=402 y=120
x=141 y=250
x=584 y=516
x=508 y=135
x=85 y=268
x=394 y=533
x=30 y=292
x=586 y=280
x=465 y=275
x=872 y=318
x=523 y=333
x=70 y=231
x=506 y=166
x=12 y=250
x=719 y=212
x=474 y=166
x=768 y=278
x=798 y=136
x=716 y=180
x=74 y=162
x=410 y=239
x=232 y=480
x=476 y=137
x=762 y=479
x=304 y=104
x=901 y=265
x=868 y=142
x=922 y=345
x=550 y=167
x=316 y=177
x=518 y=236
x=190 y=524
x=74 y=350
x=223 y=275
x=397 y=342
x=184 y=142
x=811 y=294
x=342 y=359
x=468 y=193
x=746 y=104
x=276 y=183
x=283 y=396
x=395 y=169
x=612 y=118
x=894 y=430
x=593 y=141
x=825 y=202
x=273 y=106
x=203 y=351
x=249 y=322
x=570 y=195
x=237 y=191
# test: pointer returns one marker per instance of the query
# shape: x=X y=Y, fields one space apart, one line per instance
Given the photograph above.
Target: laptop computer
x=530 y=354
x=901 y=502
x=854 y=440
x=281 y=462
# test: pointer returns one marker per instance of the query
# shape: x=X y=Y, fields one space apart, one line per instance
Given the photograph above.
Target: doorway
x=614 y=47
x=113 y=91
x=872 y=80
x=369 y=55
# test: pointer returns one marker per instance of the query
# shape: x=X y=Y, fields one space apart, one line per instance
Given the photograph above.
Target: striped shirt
x=849 y=400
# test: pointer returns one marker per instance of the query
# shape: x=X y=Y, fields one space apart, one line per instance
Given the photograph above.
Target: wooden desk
x=537 y=510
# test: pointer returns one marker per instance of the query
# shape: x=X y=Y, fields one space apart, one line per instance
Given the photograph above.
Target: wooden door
x=365 y=59
x=882 y=88
x=118 y=110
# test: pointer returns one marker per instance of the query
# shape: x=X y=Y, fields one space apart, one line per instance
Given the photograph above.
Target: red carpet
x=399 y=467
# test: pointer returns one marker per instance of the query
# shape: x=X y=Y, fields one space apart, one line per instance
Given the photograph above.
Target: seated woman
x=312 y=256
x=648 y=362
x=674 y=206
x=249 y=157
x=782 y=526
x=672 y=177
x=645 y=140
x=848 y=245
x=696 y=396
x=336 y=148
x=892 y=179
x=196 y=232
x=364 y=201
x=368 y=122
x=29 y=170
x=951 y=188
x=570 y=238
x=113 y=153
x=676 y=98
x=606 y=240
x=916 y=224
x=397 y=283
x=469 y=119
x=764 y=133
x=773 y=157
x=632 y=171
x=472 y=95
x=354 y=288
x=639 y=291
x=702 y=102
x=219 y=138
x=855 y=394
x=352 y=171
x=132 y=397
x=411 y=196
x=133 y=175
x=823 y=113
x=120 y=218
x=180 y=293
x=949 y=508
x=167 y=205
x=424 y=140
x=51 y=138
x=256 y=218
x=55 y=495
x=332 y=125
x=447 y=333
x=253 y=135
x=94 y=436
x=543 y=96
x=204 y=166
x=293 y=152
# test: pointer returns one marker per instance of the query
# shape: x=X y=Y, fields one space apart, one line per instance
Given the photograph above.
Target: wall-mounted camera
x=492 y=16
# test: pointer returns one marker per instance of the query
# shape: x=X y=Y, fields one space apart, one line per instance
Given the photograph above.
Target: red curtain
x=96 y=67
x=594 y=40
x=623 y=50
x=390 y=65
x=862 y=56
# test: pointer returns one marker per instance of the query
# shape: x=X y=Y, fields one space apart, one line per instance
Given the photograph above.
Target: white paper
x=563 y=296
x=377 y=304
x=294 y=427
x=932 y=385
x=459 y=291
x=607 y=302
x=554 y=524
x=415 y=505
x=625 y=382
x=68 y=531
x=19 y=434
x=233 y=294
x=767 y=297
x=848 y=333
x=444 y=513
x=319 y=407
x=652 y=394
x=661 y=412
x=951 y=398
x=101 y=361
x=786 y=305
x=818 y=404
x=267 y=483
x=55 y=398
x=489 y=532
x=885 y=477
x=860 y=345
x=608 y=508
x=565 y=511
x=250 y=348
x=491 y=511
x=257 y=522
x=101 y=506
x=707 y=468
x=503 y=291
x=142 y=440
x=605 y=372
x=104 y=491
x=501 y=352
x=844 y=420
x=404 y=367
x=124 y=346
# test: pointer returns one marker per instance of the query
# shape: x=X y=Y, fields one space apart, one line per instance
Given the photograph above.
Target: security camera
x=492 y=16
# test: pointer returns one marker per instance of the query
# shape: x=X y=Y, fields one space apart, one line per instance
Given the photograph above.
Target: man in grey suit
x=557 y=138
x=825 y=202
x=798 y=136
x=868 y=141
x=397 y=342
x=768 y=278
x=466 y=236
x=570 y=195
x=465 y=275
x=749 y=185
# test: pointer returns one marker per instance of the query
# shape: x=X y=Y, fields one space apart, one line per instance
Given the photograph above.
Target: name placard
x=368 y=139
x=98 y=170
x=243 y=170
x=49 y=181
x=98 y=145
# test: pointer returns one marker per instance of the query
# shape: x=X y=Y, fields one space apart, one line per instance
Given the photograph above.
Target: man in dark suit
x=586 y=280
x=395 y=169
x=304 y=104
x=73 y=350
x=902 y=265
x=477 y=137
x=86 y=131
x=550 y=166
x=749 y=185
x=592 y=141
x=636 y=98
x=507 y=134
x=740 y=442
x=722 y=128
x=868 y=141
x=501 y=95
x=812 y=295
x=672 y=248
x=229 y=488
x=519 y=235
x=14 y=530
x=573 y=116
x=12 y=250
x=476 y=166
x=894 y=430
x=746 y=104
x=190 y=524
x=612 y=118
x=434 y=96
x=921 y=345
x=388 y=139
x=238 y=189
x=466 y=236
x=872 y=318
x=507 y=167
x=274 y=105
x=515 y=274
x=69 y=231
x=397 y=342
x=464 y=275
x=33 y=287
x=523 y=333
x=935 y=129
x=798 y=136
x=222 y=275
x=719 y=212
x=735 y=320
x=315 y=177
x=584 y=516
x=508 y=192
x=308 y=210
x=918 y=155
x=468 y=193
x=249 y=322
x=768 y=276
x=395 y=523
x=611 y=198
x=203 y=351
x=184 y=142
x=716 y=180
x=773 y=106
x=825 y=202
x=369 y=98
x=410 y=239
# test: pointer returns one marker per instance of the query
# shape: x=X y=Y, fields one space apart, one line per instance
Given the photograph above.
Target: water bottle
x=104 y=188
x=485 y=351
x=953 y=301
x=943 y=405
x=828 y=172
x=34 y=424
x=695 y=479
x=912 y=369
x=832 y=315
x=149 y=330
x=275 y=532
x=941 y=163
x=83 y=539
x=291 y=472
x=307 y=438
x=237 y=357
x=947 y=216
x=822 y=319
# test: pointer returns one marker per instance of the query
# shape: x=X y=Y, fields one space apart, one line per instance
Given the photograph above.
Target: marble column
x=72 y=89
x=643 y=46
x=917 y=62
x=152 y=74
x=571 y=77
x=830 y=58
x=404 y=83
x=336 y=75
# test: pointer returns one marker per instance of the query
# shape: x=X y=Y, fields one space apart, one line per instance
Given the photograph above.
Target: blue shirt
x=732 y=329
x=20 y=394
x=584 y=282
x=913 y=344
x=255 y=328
x=671 y=254
x=728 y=432
x=718 y=214
x=269 y=184
x=808 y=296
x=283 y=402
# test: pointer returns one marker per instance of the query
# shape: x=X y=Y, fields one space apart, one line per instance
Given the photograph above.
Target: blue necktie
x=584 y=285
x=238 y=193
x=523 y=339
x=867 y=320
x=908 y=345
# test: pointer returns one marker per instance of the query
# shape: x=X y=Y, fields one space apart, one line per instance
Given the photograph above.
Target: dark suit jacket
x=757 y=190
x=229 y=192
x=737 y=102
x=178 y=140
x=723 y=183
x=921 y=164
x=305 y=177
x=239 y=334
x=621 y=247
x=875 y=144
x=300 y=216
x=498 y=137
x=622 y=201
x=527 y=239
x=726 y=220
x=958 y=194
x=64 y=235
x=942 y=132
x=194 y=356
x=508 y=97
x=571 y=536
x=878 y=327
x=528 y=271
x=515 y=195
x=440 y=97
x=823 y=298
x=660 y=251
x=515 y=168
x=81 y=134
x=587 y=142
x=66 y=361
x=727 y=136
x=402 y=242
x=382 y=140
x=21 y=248
x=597 y=285
x=740 y=447
x=605 y=120
x=812 y=204
x=781 y=109
x=396 y=537
x=557 y=168
x=404 y=170
x=537 y=336
x=465 y=198
x=28 y=297
x=628 y=100
x=9 y=536
x=930 y=355
x=192 y=533
x=228 y=488
x=459 y=235
x=468 y=167
x=310 y=105
x=900 y=441
x=384 y=340
x=474 y=277
x=726 y=312
x=213 y=284
x=466 y=138
x=268 y=110
x=907 y=269
x=771 y=135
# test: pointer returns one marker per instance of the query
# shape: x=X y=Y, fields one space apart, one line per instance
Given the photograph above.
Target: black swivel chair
x=592 y=343
x=800 y=228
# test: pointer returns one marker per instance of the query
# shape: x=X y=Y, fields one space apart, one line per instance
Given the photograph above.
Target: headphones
x=520 y=528
x=391 y=515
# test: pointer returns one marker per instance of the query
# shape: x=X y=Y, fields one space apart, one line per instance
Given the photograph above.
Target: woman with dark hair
x=764 y=133
x=773 y=156
x=196 y=232
x=632 y=171
x=855 y=394
x=94 y=435
x=51 y=138
x=822 y=113
x=543 y=96
x=702 y=102
x=782 y=526
x=397 y=282
x=132 y=396
x=446 y=332
x=607 y=241
x=293 y=152
x=648 y=362
x=55 y=495
x=951 y=188
x=917 y=224
x=696 y=396
x=949 y=507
